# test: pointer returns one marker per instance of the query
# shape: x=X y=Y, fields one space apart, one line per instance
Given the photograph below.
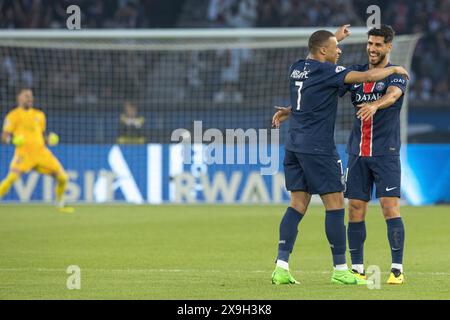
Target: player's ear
x=389 y=45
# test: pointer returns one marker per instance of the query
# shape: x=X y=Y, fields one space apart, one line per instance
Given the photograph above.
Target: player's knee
x=357 y=210
x=300 y=207
x=390 y=207
x=333 y=201
x=299 y=203
x=62 y=178
x=13 y=176
x=390 y=212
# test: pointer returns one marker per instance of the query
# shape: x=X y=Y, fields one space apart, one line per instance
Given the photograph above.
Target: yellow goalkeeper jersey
x=29 y=123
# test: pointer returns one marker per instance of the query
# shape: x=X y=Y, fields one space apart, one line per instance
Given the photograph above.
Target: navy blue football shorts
x=313 y=173
x=363 y=173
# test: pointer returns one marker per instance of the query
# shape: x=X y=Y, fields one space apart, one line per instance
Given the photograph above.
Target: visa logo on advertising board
x=153 y=173
x=156 y=173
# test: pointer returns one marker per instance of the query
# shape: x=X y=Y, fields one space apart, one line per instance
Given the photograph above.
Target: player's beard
x=381 y=58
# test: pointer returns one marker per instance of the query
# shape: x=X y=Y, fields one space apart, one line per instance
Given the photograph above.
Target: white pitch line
x=193 y=271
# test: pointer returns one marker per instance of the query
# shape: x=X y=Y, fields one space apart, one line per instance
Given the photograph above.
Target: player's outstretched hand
x=342 y=32
x=402 y=71
x=52 y=139
x=366 y=111
x=281 y=115
x=18 y=140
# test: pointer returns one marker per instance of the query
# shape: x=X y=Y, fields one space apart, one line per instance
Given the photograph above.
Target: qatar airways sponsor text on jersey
x=379 y=135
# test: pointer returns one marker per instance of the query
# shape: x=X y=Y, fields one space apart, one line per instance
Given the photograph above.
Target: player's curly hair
x=384 y=31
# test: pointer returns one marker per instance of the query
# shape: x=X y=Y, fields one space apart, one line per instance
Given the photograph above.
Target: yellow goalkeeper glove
x=18 y=140
x=52 y=139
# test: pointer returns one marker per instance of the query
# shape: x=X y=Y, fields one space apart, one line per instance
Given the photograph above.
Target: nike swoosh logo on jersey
x=357 y=85
x=389 y=189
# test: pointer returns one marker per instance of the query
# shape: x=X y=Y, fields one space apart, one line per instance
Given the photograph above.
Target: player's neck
x=25 y=108
x=381 y=65
x=316 y=57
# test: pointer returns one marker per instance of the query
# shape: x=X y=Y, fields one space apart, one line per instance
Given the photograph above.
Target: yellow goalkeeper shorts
x=43 y=161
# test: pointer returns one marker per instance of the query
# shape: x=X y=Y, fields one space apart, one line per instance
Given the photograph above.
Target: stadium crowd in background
x=430 y=74
x=16 y=14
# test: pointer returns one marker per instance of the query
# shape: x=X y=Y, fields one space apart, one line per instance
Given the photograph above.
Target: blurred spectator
x=230 y=73
x=431 y=62
x=269 y=14
x=131 y=128
x=243 y=14
x=217 y=10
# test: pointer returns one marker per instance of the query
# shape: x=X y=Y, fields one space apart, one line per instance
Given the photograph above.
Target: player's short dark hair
x=318 y=38
x=384 y=31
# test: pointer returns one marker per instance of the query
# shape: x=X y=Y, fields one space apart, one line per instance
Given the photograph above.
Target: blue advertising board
x=157 y=173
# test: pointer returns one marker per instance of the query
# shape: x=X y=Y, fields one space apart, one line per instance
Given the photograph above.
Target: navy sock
x=356 y=236
x=396 y=236
x=336 y=235
x=288 y=233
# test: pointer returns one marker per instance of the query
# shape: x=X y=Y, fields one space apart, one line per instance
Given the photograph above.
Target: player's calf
x=62 y=179
x=356 y=234
x=8 y=182
x=395 y=233
x=288 y=234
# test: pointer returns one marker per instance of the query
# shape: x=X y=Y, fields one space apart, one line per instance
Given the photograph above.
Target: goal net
x=115 y=97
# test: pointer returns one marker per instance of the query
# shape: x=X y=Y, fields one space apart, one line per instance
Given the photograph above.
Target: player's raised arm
x=375 y=74
x=342 y=33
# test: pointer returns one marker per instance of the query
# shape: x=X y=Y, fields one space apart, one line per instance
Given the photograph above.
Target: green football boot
x=347 y=277
x=283 y=276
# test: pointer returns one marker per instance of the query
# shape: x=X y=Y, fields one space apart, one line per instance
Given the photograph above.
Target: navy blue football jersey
x=379 y=135
x=314 y=88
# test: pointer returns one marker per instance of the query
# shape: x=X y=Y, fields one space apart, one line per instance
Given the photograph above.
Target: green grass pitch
x=204 y=252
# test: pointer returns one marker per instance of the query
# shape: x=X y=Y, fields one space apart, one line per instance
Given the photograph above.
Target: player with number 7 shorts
x=311 y=164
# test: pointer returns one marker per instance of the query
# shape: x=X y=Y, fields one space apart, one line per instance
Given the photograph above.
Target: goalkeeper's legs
x=8 y=182
x=49 y=165
x=62 y=180
x=61 y=184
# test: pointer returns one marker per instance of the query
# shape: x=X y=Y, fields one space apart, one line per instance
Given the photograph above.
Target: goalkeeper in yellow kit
x=25 y=128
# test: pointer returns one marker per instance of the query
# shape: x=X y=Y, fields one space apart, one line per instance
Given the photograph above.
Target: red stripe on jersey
x=368 y=87
x=366 y=138
x=366 y=127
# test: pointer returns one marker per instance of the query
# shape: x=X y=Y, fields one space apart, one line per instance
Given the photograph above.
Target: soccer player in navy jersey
x=373 y=150
x=311 y=164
